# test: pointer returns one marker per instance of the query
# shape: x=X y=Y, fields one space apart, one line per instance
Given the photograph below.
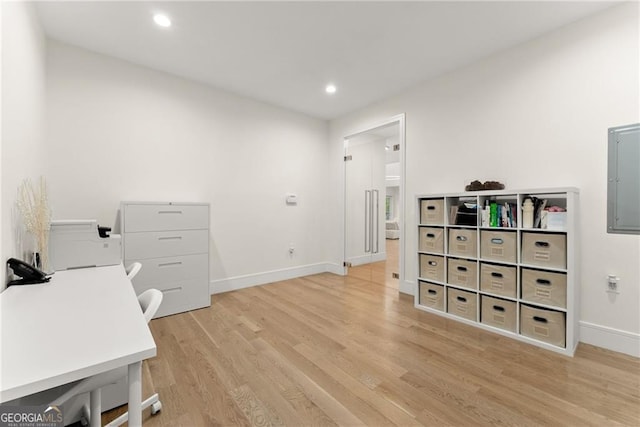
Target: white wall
x=394 y=192
x=22 y=149
x=537 y=116
x=117 y=131
x=393 y=171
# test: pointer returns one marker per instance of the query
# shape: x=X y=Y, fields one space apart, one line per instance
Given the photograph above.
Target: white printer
x=78 y=244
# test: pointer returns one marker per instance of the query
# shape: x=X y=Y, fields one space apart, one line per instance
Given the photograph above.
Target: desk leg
x=95 y=411
x=135 y=394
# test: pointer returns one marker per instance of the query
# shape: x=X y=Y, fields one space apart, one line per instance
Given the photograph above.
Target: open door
x=366 y=203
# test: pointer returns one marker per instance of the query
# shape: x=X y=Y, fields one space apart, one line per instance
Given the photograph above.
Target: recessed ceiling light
x=331 y=88
x=162 y=20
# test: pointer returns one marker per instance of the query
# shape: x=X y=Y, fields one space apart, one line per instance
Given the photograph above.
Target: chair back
x=133 y=269
x=150 y=301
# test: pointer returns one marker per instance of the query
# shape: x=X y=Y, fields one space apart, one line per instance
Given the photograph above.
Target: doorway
x=374 y=199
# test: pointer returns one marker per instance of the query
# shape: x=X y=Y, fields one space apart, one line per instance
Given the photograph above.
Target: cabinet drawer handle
x=431 y=208
x=170 y=238
x=461 y=299
x=432 y=292
x=540 y=319
x=167 y=264
x=497 y=241
x=431 y=235
x=543 y=282
x=170 y=212
x=498 y=308
x=461 y=268
x=432 y=263
x=541 y=244
x=496 y=274
x=170 y=290
x=461 y=238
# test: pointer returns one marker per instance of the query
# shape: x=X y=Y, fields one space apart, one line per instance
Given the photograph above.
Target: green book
x=493 y=214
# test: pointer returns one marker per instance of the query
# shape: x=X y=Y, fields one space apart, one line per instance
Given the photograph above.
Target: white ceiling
x=284 y=53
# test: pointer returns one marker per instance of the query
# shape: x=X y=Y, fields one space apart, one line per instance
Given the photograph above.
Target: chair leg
x=156 y=405
x=153 y=402
x=86 y=415
x=95 y=404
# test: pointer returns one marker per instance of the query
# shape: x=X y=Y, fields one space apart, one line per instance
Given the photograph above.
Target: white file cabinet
x=171 y=241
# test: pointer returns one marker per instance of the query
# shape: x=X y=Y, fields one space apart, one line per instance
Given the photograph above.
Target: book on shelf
x=493 y=214
x=505 y=215
x=453 y=213
x=538 y=207
x=500 y=215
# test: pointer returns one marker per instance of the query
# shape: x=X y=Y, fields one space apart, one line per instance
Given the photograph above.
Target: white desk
x=83 y=323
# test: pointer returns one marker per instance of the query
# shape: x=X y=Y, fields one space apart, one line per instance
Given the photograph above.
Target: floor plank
x=327 y=350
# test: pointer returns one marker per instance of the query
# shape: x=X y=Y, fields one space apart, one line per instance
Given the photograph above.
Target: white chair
x=133 y=269
x=150 y=301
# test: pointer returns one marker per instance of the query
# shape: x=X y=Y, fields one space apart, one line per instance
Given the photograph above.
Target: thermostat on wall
x=292 y=199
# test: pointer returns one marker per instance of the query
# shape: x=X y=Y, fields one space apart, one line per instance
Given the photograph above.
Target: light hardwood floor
x=381 y=272
x=331 y=350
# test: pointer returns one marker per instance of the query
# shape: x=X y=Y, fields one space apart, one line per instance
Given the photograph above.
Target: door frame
x=400 y=120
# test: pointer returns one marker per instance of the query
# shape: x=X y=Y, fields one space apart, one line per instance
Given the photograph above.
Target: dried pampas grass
x=33 y=205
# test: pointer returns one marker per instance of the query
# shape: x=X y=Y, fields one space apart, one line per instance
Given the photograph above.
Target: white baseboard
x=240 y=282
x=407 y=287
x=335 y=269
x=610 y=338
x=366 y=259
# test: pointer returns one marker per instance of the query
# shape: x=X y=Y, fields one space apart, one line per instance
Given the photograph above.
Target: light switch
x=292 y=199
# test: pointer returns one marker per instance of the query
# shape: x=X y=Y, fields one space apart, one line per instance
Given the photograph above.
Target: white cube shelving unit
x=518 y=282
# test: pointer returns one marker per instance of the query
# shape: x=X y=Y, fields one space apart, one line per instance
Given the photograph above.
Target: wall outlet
x=292 y=249
x=612 y=284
